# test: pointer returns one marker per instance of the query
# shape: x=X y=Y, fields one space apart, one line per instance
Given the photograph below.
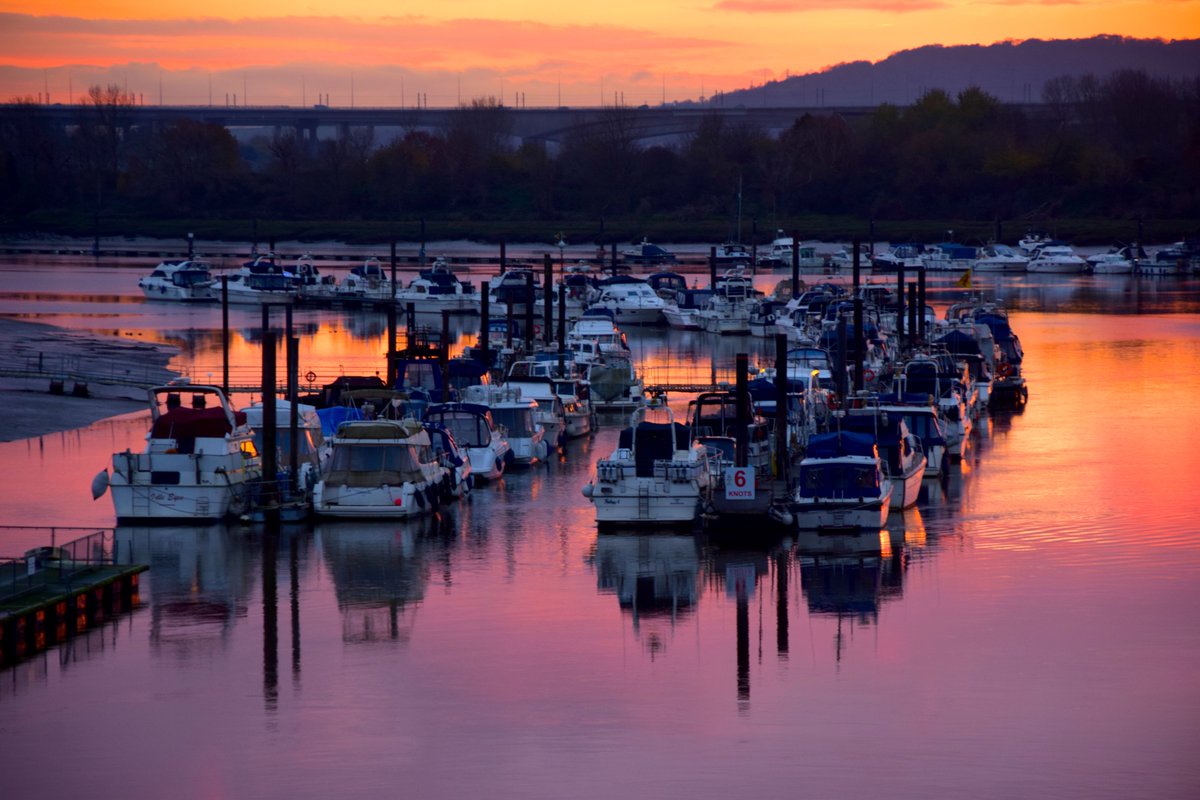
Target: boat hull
x=836 y=515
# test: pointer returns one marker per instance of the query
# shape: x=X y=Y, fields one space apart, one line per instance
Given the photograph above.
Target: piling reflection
x=655 y=580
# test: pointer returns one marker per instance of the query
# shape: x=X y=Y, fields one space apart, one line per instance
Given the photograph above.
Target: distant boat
x=184 y=281
x=647 y=253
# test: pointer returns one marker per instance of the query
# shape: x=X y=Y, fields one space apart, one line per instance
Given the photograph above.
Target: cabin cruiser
x=595 y=336
x=925 y=374
x=516 y=416
x=453 y=458
x=647 y=253
x=1008 y=384
x=437 y=289
x=728 y=309
x=614 y=385
x=684 y=312
x=185 y=281
x=842 y=484
x=901 y=453
x=199 y=462
x=779 y=255
x=366 y=283
x=843 y=258
x=713 y=422
x=666 y=284
x=311 y=284
x=1000 y=258
x=949 y=256
x=1056 y=258
x=569 y=386
x=517 y=288
x=381 y=468
x=551 y=413
x=632 y=302
x=259 y=281
x=732 y=254
x=922 y=419
x=474 y=431
x=1110 y=264
x=764 y=315
x=312 y=453
x=902 y=256
x=655 y=476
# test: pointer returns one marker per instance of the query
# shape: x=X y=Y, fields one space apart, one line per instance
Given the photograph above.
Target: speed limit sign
x=739 y=483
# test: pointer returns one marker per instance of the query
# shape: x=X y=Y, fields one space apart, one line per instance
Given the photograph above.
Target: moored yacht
x=655 y=476
x=381 y=468
x=475 y=433
x=199 y=461
x=185 y=281
x=842 y=485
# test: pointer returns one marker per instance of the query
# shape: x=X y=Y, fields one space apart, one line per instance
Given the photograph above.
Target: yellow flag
x=965 y=281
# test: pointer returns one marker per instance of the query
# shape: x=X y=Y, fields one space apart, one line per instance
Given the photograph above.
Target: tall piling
x=856 y=266
x=270 y=454
x=503 y=256
x=529 y=311
x=712 y=268
x=921 y=301
x=548 y=299
x=900 y=307
x=562 y=327
x=781 y=404
x=445 y=356
x=225 y=334
x=292 y=361
x=485 y=322
x=859 y=377
x=912 y=313
x=742 y=398
x=795 y=265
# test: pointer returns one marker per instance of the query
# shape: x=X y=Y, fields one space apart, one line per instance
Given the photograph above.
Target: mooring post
x=712 y=268
x=191 y=240
x=921 y=300
x=859 y=377
x=781 y=406
x=509 y=317
x=548 y=298
x=562 y=327
x=445 y=355
x=841 y=356
x=795 y=265
x=900 y=307
x=529 y=311
x=855 y=258
x=742 y=416
x=912 y=313
x=393 y=278
x=225 y=334
x=484 y=324
x=503 y=256
x=292 y=359
x=270 y=454
x=391 y=344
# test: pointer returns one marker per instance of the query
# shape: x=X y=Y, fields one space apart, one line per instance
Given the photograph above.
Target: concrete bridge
x=527 y=124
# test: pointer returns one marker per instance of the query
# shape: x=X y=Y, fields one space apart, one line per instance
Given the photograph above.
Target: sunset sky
x=553 y=53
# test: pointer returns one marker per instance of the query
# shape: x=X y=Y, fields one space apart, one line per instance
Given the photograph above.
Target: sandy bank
x=32 y=354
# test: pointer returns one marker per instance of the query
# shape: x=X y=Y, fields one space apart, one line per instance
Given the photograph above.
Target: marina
x=1025 y=599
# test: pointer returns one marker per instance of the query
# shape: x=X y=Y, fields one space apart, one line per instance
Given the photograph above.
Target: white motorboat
x=595 y=336
x=655 y=476
x=312 y=285
x=381 y=468
x=902 y=256
x=632 y=302
x=437 y=289
x=551 y=413
x=475 y=433
x=184 y=281
x=1110 y=264
x=366 y=283
x=684 y=312
x=842 y=485
x=1056 y=258
x=729 y=306
x=647 y=253
x=453 y=458
x=516 y=417
x=259 y=281
x=732 y=254
x=614 y=385
x=930 y=375
x=569 y=386
x=902 y=454
x=312 y=452
x=1000 y=258
x=949 y=256
x=199 y=462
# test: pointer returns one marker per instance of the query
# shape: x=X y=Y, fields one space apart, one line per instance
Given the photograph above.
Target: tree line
x=1122 y=147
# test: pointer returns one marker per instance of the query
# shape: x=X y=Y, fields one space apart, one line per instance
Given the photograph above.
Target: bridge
x=527 y=124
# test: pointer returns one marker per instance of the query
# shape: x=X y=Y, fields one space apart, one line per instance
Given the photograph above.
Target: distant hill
x=1010 y=71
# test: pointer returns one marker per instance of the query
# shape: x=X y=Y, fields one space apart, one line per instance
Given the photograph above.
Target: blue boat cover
x=335 y=415
x=846 y=443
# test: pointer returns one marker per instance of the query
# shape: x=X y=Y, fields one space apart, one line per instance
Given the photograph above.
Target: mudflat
x=33 y=354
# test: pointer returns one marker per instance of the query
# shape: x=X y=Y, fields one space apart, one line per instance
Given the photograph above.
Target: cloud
x=801 y=6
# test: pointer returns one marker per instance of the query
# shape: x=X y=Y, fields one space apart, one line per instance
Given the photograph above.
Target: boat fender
x=99 y=484
x=587 y=490
x=868 y=375
x=770 y=319
x=420 y=499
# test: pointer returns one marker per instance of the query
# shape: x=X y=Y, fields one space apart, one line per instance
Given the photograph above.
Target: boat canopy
x=845 y=443
x=654 y=441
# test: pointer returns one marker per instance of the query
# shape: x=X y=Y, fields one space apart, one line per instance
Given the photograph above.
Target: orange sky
x=553 y=52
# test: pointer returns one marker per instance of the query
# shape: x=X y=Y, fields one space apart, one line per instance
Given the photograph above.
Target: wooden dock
x=54 y=593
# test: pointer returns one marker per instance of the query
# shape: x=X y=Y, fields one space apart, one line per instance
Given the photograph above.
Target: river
x=1025 y=631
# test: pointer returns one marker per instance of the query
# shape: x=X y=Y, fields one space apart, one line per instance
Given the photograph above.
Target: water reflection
x=655 y=579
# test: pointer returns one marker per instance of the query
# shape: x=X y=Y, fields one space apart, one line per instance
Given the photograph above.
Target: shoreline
x=30 y=410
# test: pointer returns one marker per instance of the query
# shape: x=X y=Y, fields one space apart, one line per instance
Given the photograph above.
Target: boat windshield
x=517 y=421
x=190 y=277
x=468 y=430
x=360 y=464
x=838 y=480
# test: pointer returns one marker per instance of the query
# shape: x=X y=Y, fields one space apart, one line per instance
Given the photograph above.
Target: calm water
x=1027 y=631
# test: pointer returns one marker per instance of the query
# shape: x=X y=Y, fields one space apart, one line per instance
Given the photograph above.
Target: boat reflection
x=654 y=578
x=380 y=571
x=200 y=580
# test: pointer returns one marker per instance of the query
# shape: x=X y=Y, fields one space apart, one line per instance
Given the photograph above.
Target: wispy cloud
x=802 y=6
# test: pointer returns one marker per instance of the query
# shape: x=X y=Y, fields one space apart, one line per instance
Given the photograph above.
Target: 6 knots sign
x=739 y=483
